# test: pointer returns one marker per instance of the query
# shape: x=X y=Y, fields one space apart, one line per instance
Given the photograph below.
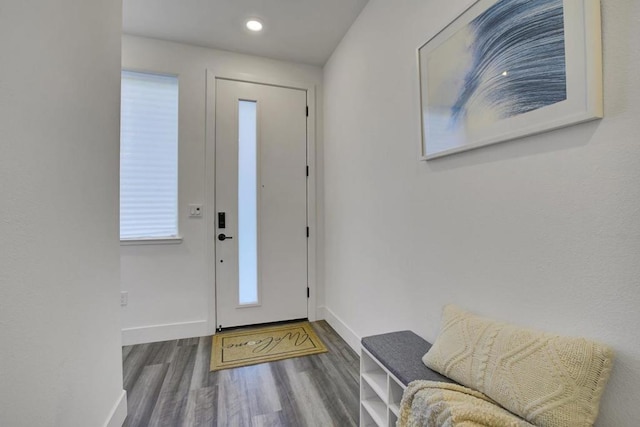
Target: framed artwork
x=505 y=69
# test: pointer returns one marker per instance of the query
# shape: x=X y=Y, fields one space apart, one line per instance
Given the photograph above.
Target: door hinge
x=307 y=111
x=308 y=292
x=307 y=231
x=307 y=170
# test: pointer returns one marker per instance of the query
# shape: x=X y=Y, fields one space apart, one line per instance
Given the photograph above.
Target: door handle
x=222 y=237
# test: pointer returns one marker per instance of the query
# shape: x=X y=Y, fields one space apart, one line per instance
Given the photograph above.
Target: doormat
x=245 y=347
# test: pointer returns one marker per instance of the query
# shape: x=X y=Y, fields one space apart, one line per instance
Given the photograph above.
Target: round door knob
x=222 y=237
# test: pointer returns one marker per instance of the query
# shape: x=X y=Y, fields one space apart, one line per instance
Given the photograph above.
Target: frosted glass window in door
x=247 y=203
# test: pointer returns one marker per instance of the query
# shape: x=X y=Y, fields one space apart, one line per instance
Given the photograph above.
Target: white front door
x=261 y=203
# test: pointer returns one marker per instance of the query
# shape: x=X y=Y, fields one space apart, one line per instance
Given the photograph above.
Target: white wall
x=543 y=231
x=60 y=355
x=169 y=291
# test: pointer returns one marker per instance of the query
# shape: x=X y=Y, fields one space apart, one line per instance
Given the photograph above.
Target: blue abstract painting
x=507 y=61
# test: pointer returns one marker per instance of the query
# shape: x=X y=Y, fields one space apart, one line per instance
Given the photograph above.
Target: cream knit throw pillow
x=550 y=381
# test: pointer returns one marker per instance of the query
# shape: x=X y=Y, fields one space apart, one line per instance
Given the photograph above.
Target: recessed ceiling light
x=254 y=25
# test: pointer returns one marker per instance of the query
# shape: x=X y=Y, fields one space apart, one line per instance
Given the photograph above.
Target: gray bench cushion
x=401 y=353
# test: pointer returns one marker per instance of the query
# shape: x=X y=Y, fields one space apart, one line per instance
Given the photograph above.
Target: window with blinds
x=148 y=156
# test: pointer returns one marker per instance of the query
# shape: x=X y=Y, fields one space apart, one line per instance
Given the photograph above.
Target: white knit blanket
x=436 y=404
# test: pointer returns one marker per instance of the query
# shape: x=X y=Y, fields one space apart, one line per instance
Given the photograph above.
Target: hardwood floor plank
x=201 y=371
x=178 y=379
x=206 y=408
x=126 y=350
x=290 y=411
x=143 y=396
x=199 y=380
x=309 y=401
x=171 y=407
x=263 y=393
x=133 y=364
x=233 y=406
x=189 y=416
x=188 y=341
x=169 y=384
x=161 y=352
x=274 y=419
x=170 y=410
x=339 y=394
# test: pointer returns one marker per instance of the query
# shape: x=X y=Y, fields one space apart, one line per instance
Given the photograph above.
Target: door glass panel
x=247 y=203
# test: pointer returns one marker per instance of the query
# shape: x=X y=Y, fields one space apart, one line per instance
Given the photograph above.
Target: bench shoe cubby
x=380 y=393
x=388 y=362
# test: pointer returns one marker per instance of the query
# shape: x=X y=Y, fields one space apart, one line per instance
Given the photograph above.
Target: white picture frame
x=495 y=73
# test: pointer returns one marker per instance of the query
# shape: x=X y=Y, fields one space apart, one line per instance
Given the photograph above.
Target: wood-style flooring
x=169 y=384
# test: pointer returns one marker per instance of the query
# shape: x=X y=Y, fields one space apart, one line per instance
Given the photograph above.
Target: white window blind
x=148 y=156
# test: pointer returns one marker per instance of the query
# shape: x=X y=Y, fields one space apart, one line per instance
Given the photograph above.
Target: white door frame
x=210 y=196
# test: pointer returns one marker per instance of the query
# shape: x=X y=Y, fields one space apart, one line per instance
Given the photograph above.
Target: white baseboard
x=340 y=327
x=119 y=412
x=171 y=331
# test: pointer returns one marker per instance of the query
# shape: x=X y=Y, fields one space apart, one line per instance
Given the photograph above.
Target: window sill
x=152 y=241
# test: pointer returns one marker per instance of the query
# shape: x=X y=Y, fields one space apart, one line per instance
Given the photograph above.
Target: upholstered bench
x=388 y=363
x=520 y=383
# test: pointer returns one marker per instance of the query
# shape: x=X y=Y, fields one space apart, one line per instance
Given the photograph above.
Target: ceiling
x=305 y=31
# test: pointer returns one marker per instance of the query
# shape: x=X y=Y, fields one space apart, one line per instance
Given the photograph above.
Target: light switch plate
x=195 y=211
